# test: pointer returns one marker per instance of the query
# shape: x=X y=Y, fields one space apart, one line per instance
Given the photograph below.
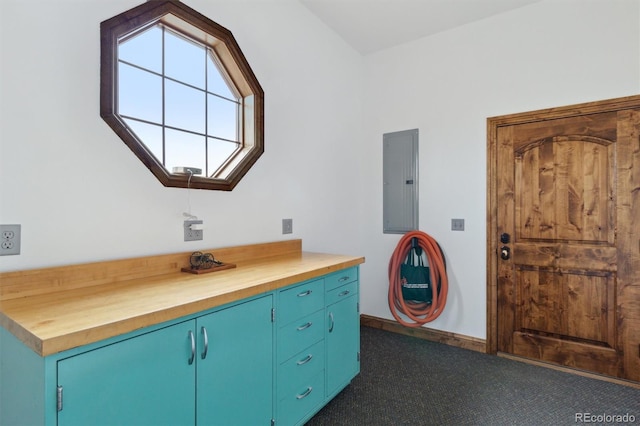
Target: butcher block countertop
x=55 y=309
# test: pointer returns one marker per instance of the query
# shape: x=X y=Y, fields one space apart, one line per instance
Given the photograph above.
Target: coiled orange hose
x=418 y=312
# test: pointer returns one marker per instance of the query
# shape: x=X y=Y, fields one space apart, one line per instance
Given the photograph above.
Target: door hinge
x=358 y=357
x=358 y=307
x=273 y=314
x=59 y=398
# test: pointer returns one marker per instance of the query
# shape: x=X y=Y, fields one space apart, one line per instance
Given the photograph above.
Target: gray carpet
x=409 y=381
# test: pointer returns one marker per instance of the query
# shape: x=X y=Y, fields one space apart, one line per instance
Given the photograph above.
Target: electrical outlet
x=457 y=224
x=287 y=226
x=10 y=240
x=192 y=234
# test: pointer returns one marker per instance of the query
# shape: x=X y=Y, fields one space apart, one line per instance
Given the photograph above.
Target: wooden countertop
x=55 y=309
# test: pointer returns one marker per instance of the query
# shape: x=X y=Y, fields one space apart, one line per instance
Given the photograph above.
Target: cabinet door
x=343 y=343
x=235 y=372
x=145 y=380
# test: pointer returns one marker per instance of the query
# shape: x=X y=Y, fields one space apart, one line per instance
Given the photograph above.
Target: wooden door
x=565 y=252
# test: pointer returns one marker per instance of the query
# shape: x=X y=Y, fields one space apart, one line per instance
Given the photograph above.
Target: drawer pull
x=193 y=347
x=305 y=393
x=305 y=293
x=306 y=360
x=343 y=279
x=303 y=327
x=344 y=293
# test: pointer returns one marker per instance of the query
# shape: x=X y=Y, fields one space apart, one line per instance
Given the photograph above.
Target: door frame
x=493 y=124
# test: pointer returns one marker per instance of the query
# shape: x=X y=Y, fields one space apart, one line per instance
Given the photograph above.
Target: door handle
x=505 y=253
x=205 y=337
x=193 y=347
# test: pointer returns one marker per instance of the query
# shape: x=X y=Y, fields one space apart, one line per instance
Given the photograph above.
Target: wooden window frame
x=194 y=25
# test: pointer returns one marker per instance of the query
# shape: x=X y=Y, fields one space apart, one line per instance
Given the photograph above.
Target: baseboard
x=570 y=370
x=451 y=339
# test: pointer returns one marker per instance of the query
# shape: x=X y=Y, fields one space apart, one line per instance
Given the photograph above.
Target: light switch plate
x=457 y=224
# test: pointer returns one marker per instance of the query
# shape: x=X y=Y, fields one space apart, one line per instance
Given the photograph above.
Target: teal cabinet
x=318 y=341
x=235 y=365
x=195 y=372
x=142 y=380
x=301 y=364
x=276 y=358
x=343 y=337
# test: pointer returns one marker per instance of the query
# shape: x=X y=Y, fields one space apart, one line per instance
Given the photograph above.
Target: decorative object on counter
x=199 y=260
x=202 y=263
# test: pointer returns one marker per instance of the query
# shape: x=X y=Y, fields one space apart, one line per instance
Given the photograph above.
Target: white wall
x=547 y=54
x=81 y=195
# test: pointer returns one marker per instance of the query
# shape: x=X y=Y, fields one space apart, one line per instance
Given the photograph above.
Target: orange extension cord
x=419 y=312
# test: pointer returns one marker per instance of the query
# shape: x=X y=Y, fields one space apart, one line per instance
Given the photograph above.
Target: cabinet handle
x=305 y=293
x=343 y=279
x=59 y=398
x=193 y=347
x=344 y=293
x=305 y=393
x=307 y=325
x=331 y=326
x=306 y=360
x=205 y=337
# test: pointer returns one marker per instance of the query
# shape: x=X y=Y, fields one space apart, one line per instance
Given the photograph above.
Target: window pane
x=144 y=49
x=222 y=119
x=215 y=81
x=219 y=152
x=184 y=107
x=184 y=60
x=149 y=135
x=184 y=150
x=139 y=94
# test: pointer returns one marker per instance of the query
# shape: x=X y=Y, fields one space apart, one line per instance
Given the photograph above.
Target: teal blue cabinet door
x=145 y=380
x=235 y=365
x=343 y=343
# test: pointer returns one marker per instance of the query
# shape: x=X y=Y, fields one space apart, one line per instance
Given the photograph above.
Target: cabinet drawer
x=341 y=293
x=300 y=334
x=301 y=300
x=298 y=403
x=341 y=277
x=299 y=369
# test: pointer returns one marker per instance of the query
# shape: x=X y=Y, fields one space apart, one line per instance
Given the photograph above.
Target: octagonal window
x=178 y=91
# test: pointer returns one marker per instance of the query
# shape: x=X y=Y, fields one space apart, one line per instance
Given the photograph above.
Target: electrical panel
x=400 y=181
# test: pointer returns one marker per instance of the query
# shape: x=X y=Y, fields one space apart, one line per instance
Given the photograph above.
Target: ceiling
x=372 y=25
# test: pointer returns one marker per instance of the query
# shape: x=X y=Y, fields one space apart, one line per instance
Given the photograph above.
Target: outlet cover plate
x=287 y=226
x=9 y=240
x=457 y=224
x=192 y=235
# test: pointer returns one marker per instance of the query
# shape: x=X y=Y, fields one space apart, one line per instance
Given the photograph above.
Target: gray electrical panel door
x=400 y=181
